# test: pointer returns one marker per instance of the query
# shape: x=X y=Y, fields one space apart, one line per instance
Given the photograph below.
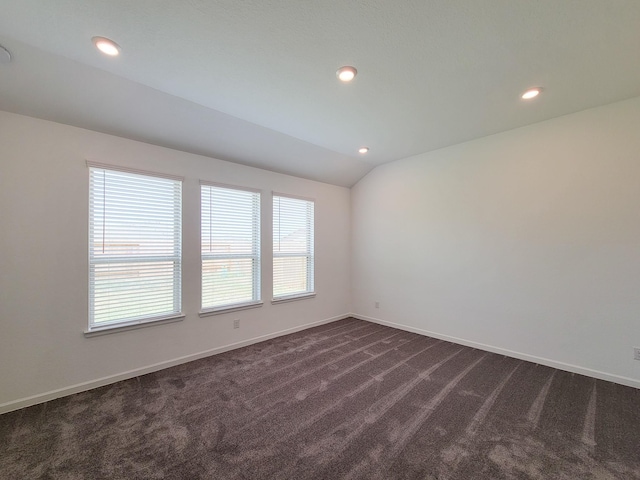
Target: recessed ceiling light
x=531 y=93
x=363 y=149
x=106 y=46
x=347 y=73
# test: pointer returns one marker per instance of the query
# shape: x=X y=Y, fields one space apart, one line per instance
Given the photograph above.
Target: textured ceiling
x=254 y=81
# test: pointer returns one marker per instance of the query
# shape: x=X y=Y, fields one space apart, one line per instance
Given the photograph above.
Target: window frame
x=128 y=323
x=309 y=254
x=256 y=256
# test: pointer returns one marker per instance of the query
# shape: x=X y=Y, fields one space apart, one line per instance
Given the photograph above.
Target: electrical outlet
x=377 y=304
x=636 y=353
x=236 y=323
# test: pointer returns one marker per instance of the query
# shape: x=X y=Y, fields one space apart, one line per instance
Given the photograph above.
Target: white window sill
x=123 y=327
x=229 y=309
x=293 y=298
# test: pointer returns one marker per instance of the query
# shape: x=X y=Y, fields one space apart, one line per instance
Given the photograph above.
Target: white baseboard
x=82 y=387
x=630 y=382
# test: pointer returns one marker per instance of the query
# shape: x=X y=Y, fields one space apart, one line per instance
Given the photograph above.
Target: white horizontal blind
x=293 y=261
x=230 y=230
x=135 y=247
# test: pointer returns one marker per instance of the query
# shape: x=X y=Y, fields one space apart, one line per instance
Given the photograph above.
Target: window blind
x=230 y=231
x=293 y=257
x=135 y=247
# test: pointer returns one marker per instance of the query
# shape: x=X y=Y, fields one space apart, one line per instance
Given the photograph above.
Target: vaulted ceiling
x=253 y=81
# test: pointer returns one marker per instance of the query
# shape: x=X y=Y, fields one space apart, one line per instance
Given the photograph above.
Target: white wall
x=43 y=261
x=527 y=241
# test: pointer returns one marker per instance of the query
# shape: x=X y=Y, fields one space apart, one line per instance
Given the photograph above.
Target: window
x=230 y=247
x=293 y=261
x=135 y=238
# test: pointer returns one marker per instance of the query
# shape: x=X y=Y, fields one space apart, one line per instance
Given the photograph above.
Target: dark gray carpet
x=346 y=400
